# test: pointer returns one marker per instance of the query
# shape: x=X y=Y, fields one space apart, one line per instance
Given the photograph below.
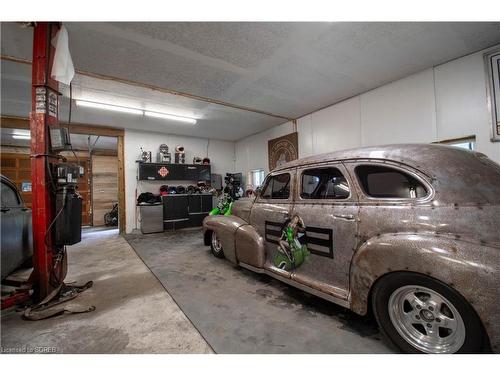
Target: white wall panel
x=251 y=152
x=446 y=102
x=462 y=105
x=337 y=127
x=306 y=141
x=400 y=112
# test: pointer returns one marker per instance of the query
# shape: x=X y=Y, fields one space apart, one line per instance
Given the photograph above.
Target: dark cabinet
x=185 y=210
x=192 y=172
x=197 y=172
x=175 y=211
x=178 y=172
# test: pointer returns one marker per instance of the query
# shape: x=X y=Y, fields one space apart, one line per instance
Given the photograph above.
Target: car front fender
x=225 y=227
x=240 y=241
x=470 y=268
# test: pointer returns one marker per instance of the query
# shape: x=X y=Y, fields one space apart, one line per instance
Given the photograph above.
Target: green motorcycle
x=224 y=207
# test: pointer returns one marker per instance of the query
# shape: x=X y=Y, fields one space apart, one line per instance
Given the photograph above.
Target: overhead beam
x=14 y=122
x=160 y=89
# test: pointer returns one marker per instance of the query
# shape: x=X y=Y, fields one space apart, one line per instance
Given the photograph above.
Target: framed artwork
x=283 y=149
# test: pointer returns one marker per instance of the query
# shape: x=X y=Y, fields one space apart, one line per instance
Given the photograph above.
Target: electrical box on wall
x=59 y=139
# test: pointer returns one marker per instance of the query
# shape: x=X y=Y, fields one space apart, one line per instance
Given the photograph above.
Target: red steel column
x=42 y=117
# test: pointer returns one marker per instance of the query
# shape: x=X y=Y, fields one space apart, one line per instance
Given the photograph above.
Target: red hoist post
x=44 y=115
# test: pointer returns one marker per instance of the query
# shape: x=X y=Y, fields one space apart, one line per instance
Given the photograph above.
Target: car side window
x=386 y=182
x=9 y=196
x=277 y=187
x=324 y=183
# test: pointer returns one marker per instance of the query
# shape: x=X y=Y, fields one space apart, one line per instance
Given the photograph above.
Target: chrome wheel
x=216 y=245
x=426 y=319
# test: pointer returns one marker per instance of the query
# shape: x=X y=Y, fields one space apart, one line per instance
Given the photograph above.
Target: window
x=386 y=182
x=465 y=145
x=277 y=187
x=324 y=183
x=256 y=178
x=9 y=197
x=493 y=69
x=468 y=143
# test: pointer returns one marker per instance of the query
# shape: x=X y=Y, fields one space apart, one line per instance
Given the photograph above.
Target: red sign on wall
x=163 y=171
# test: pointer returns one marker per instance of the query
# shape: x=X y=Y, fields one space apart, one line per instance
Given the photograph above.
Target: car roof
x=417 y=155
x=457 y=175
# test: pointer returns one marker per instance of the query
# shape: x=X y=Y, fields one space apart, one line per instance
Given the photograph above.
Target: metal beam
x=44 y=97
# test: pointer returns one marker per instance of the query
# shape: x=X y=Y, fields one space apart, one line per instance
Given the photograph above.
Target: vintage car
x=16 y=236
x=410 y=231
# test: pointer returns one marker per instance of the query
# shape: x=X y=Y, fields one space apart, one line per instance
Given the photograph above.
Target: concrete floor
x=239 y=311
x=134 y=313
x=236 y=311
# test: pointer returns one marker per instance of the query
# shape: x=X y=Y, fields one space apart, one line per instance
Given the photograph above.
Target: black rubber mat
x=238 y=311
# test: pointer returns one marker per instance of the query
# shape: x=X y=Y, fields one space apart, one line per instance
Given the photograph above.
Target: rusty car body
x=424 y=252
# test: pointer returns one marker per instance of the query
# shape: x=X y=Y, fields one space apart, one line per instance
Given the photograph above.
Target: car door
x=271 y=209
x=328 y=205
x=16 y=244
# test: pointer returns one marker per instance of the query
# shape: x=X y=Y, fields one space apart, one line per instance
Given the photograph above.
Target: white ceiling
x=214 y=121
x=288 y=69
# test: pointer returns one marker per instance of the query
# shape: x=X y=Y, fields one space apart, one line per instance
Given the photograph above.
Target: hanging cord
x=69 y=122
x=61 y=255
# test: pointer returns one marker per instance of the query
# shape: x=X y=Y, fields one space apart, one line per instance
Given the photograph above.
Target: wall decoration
x=291 y=251
x=492 y=61
x=283 y=149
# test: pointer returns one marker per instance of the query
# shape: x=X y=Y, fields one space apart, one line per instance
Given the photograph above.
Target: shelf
x=173 y=172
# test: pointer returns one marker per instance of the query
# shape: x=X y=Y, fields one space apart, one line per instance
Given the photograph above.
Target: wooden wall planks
x=104 y=186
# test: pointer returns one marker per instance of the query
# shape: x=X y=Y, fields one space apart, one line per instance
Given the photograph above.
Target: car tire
x=419 y=314
x=216 y=246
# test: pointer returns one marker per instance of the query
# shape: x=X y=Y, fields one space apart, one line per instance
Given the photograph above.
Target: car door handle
x=344 y=217
x=5 y=209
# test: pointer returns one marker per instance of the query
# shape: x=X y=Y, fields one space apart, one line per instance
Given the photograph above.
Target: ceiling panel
x=288 y=69
x=213 y=121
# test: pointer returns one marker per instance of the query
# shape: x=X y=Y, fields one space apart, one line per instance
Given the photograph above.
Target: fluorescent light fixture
x=170 y=117
x=135 y=111
x=25 y=133
x=109 y=107
x=15 y=136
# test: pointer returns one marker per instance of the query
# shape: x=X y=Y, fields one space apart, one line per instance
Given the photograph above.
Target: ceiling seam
x=157 y=88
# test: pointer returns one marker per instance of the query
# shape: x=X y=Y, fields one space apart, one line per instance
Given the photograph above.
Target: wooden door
x=104 y=186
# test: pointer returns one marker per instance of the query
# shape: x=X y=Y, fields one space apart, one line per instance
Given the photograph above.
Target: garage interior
x=217 y=94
